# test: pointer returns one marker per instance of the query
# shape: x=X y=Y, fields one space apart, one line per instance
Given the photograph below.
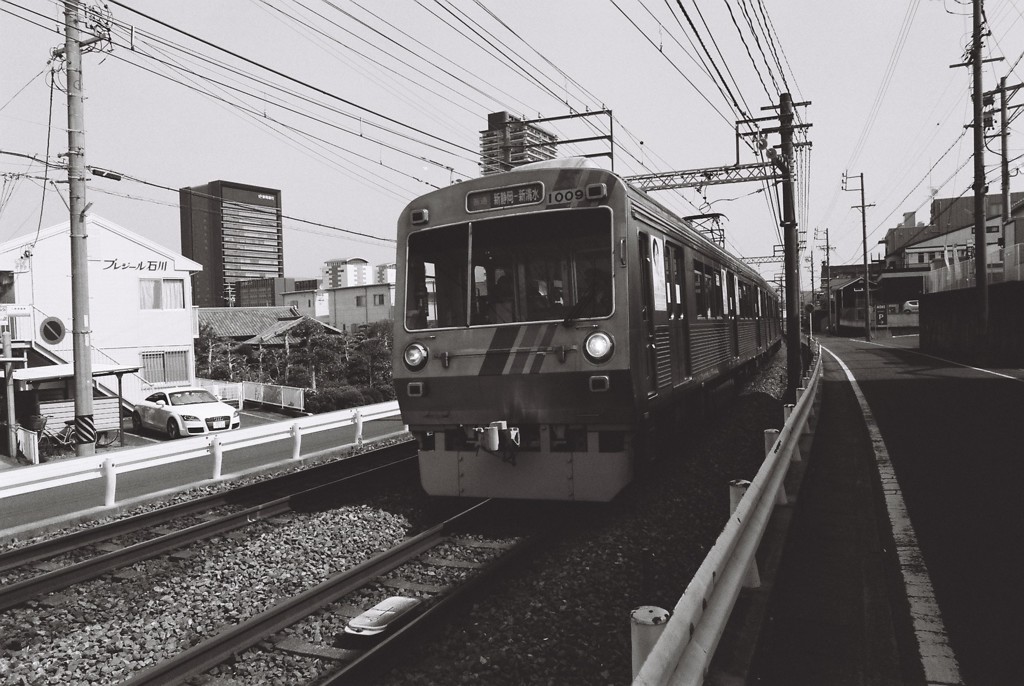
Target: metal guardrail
x=74 y=470
x=683 y=652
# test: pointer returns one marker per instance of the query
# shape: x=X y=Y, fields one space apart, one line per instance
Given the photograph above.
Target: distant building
x=344 y=273
x=510 y=142
x=347 y=308
x=261 y=326
x=387 y=273
x=269 y=292
x=235 y=232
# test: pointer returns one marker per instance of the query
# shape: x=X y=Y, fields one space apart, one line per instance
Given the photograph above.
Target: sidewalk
x=839 y=613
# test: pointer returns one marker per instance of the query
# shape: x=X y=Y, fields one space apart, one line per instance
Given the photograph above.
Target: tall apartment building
x=387 y=273
x=344 y=273
x=235 y=232
x=509 y=142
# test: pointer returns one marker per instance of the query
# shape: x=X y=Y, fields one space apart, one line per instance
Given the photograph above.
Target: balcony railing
x=1003 y=265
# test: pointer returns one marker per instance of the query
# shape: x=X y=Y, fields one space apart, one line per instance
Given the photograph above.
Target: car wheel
x=172 y=429
x=136 y=422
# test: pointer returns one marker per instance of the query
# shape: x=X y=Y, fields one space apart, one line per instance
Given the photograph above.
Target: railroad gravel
x=564 y=619
x=103 y=631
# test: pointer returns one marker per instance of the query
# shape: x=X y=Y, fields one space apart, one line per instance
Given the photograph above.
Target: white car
x=184 y=412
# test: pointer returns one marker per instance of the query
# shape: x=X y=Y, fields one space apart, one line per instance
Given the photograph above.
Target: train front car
x=511 y=363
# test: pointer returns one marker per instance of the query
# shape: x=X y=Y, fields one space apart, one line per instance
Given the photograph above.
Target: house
x=346 y=308
x=140 y=310
x=255 y=325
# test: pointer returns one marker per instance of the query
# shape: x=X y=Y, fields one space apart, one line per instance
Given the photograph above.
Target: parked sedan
x=184 y=411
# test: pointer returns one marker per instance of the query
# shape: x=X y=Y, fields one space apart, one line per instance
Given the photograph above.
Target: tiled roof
x=275 y=334
x=238 y=322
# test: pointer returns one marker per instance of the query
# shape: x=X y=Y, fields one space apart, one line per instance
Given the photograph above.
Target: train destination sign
x=509 y=196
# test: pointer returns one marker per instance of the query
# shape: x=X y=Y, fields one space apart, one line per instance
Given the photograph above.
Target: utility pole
x=828 y=279
x=810 y=315
x=794 y=363
x=85 y=428
x=864 y=233
x=980 y=189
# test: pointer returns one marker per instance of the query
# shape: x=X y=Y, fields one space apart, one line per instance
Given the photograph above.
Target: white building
x=140 y=304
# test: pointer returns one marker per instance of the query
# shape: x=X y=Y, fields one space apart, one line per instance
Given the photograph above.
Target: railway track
x=398 y=571
x=51 y=565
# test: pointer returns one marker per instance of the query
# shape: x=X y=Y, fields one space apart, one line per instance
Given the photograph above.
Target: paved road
x=953 y=436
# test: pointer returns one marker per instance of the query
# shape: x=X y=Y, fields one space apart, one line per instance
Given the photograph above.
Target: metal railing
x=1003 y=265
x=108 y=467
x=237 y=392
x=688 y=640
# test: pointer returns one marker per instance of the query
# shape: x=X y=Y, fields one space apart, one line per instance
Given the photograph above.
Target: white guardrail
x=687 y=642
x=108 y=466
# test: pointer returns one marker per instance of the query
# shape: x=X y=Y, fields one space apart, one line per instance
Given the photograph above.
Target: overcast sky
x=378 y=109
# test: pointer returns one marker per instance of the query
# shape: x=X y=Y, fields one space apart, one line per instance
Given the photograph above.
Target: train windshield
x=526 y=268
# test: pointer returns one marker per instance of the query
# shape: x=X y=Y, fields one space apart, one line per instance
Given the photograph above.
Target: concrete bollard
x=646 y=623
x=737 y=489
x=296 y=440
x=217 y=450
x=110 y=474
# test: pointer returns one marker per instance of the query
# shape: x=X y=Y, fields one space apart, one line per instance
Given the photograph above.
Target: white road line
x=940 y=359
x=937 y=658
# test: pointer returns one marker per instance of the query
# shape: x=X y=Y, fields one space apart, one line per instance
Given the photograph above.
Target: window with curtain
x=162 y=294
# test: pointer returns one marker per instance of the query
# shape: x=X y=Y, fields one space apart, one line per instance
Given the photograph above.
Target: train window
x=676 y=281
x=541 y=266
x=436 y=284
x=708 y=289
x=730 y=282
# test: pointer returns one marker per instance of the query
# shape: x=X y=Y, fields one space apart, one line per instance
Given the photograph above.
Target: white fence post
x=111 y=476
x=645 y=626
x=296 y=440
x=358 y=419
x=217 y=450
x=737 y=489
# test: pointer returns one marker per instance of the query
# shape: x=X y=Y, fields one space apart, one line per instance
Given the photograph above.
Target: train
x=550 y=320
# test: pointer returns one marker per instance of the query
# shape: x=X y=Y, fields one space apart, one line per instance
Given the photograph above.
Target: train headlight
x=598 y=347
x=415 y=356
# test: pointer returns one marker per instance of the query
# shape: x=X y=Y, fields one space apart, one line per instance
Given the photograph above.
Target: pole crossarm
x=709 y=176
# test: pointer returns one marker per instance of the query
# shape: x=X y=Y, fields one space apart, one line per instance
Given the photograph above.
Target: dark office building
x=235 y=232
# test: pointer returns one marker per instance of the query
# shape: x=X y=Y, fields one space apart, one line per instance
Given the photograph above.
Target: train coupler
x=497 y=436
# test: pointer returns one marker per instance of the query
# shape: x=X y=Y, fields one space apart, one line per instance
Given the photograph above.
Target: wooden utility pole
x=85 y=427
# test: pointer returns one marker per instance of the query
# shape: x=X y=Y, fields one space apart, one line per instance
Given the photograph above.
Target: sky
x=353 y=108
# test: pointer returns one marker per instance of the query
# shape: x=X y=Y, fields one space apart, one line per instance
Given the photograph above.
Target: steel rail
x=20 y=592
x=372 y=657
x=15 y=594
x=219 y=648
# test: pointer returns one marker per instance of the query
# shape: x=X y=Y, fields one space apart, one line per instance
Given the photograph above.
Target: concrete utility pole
x=863 y=207
x=85 y=427
x=828 y=279
x=980 y=189
x=794 y=364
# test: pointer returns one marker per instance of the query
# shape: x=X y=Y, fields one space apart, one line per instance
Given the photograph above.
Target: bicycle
x=51 y=443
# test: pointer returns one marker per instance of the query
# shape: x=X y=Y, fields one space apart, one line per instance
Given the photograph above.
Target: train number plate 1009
x=509 y=196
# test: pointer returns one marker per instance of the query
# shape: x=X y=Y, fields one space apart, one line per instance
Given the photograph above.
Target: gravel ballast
x=564 y=620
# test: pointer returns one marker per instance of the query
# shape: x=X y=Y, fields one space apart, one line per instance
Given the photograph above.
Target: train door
x=646 y=246
x=676 y=277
